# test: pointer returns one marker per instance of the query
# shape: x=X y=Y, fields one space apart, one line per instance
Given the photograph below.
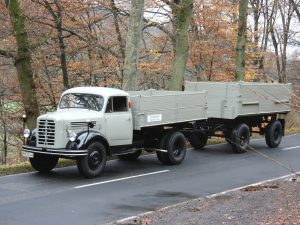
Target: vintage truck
x=92 y=123
x=238 y=109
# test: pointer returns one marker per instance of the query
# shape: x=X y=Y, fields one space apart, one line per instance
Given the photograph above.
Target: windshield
x=81 y=101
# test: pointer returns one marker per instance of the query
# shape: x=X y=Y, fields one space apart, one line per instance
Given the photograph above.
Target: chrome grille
x=81 y=124
x=46 y=132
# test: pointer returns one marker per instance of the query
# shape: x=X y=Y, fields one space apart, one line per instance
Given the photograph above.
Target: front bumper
x=58 y=152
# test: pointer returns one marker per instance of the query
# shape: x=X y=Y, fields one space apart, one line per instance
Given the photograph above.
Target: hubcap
x=243 y=140
x=177 y=149
x=94 y=159
x=276 y=134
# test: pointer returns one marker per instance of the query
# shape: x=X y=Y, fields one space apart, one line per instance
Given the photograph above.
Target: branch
x=296 y=8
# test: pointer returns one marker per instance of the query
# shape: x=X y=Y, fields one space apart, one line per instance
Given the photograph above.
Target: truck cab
x=84 y=115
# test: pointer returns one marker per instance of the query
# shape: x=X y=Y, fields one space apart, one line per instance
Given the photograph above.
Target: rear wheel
x=43 y=163
x=239 y=138
x=131 y=156
x=198 y=140
x=163 y=156
x=175 y=144
x=273 y=133
x=94 y=162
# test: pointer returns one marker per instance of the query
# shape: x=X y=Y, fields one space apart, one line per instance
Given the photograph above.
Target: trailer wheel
x=43 y=163
x=130 y=156
x=94 y=162
x=198 y=140
x=239 y=138
x=273 y=133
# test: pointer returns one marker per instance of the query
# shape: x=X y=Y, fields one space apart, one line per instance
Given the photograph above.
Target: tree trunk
x=23 y=63
x=241 y=40
x=182 y=13
x=133 y=40
x=275 y=45
x=119 y=36
x=3 y=121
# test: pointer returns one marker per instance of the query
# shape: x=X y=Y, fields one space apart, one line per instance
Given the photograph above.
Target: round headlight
x=72 y=135
x=26 y=133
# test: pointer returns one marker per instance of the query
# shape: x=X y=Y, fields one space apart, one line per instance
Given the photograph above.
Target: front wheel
x=273 y=134
x=94 y=162
x=239 y=138
x=43 y=163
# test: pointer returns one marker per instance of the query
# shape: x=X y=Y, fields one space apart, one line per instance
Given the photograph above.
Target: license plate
x=28 y=154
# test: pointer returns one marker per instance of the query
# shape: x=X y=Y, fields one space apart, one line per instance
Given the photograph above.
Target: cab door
x=118 y=121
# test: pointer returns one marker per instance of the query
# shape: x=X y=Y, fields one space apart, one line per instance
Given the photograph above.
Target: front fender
x=85 y=138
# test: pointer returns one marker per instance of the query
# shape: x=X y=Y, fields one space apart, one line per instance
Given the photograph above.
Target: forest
x=48 y=46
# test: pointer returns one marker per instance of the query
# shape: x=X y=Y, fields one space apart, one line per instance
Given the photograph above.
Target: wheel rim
x=277 y=134
x=244 y=140
x=178 y=148
x=94 y=159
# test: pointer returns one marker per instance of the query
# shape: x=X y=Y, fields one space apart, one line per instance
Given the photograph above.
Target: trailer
x=236 y=110
x=92 y=123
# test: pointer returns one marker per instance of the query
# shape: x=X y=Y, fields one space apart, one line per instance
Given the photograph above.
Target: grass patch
x=25 y=167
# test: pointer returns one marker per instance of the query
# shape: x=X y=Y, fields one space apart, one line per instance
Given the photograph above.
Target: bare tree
x=55 y=9
x=280 y=34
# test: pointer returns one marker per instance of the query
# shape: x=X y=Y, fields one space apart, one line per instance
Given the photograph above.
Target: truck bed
x=229 y=100
x=152 y=108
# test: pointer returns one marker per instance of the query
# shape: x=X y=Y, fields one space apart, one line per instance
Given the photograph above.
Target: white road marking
x=290 y=148
x=209 y=196
x=120 y=179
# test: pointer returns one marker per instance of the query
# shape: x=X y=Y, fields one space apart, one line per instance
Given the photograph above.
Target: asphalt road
x=126 y=189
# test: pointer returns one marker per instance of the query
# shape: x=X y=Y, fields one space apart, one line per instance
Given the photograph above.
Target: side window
x=109 y=108
x=117 y=104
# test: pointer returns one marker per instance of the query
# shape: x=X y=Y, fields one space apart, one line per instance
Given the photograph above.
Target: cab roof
x=104 y=91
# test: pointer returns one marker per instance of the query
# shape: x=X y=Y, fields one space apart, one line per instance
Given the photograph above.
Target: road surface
x=129 y=188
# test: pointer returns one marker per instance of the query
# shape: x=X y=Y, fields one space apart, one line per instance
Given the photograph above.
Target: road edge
x=140 y=216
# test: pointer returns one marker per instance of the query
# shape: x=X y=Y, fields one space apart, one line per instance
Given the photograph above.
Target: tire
x=130 y=156
x=94 y=162
x=43 y=163
x=273 y=134
x=163 y=156
x=175 y=144
x=198 y=140
x=240 y=137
